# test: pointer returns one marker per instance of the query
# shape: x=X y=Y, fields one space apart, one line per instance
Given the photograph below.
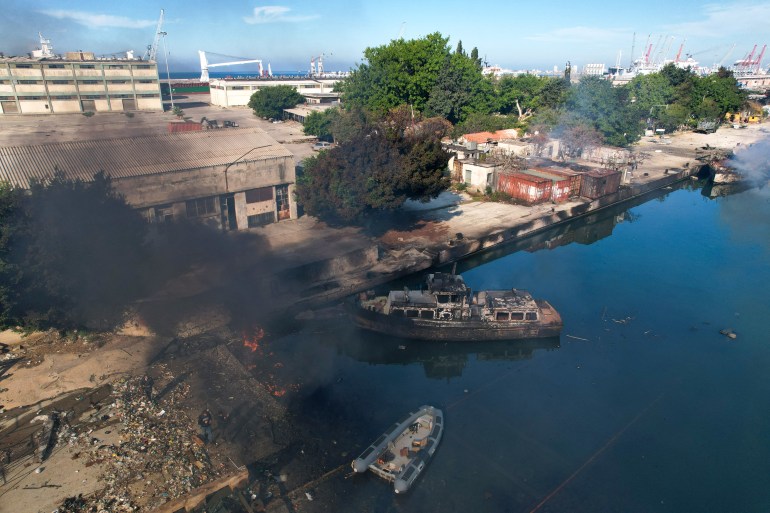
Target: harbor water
x=641 y=405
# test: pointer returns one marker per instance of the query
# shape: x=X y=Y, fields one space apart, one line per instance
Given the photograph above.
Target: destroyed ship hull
x=449 y=310
x=460 y=330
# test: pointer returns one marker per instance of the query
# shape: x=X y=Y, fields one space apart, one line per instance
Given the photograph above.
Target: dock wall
x=324 y=288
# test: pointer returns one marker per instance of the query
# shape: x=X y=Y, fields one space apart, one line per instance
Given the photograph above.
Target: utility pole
x=168 y=75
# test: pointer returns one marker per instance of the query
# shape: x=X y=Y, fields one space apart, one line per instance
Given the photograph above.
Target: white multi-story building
x=236 y=92
x=77 y=82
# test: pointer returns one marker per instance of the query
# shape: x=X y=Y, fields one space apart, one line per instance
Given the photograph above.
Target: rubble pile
x=158 y=456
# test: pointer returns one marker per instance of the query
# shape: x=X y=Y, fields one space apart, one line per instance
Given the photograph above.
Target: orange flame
x=252 y=342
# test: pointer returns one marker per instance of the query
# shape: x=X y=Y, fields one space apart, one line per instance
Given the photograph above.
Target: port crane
x=205 y=65
x=152 y=50
x=317 y=66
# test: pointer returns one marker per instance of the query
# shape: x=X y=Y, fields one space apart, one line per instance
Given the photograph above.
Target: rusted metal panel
x=575 y=178
x=527 y=188
x=600 y=182
x=560 y=185
x=183 y=126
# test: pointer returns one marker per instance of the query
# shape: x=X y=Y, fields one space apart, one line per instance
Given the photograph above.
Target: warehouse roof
x=137 y=156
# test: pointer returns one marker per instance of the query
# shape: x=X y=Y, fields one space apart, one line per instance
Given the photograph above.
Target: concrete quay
x=454 y=226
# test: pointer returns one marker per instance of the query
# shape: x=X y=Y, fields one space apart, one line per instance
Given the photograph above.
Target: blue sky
x=513 y=34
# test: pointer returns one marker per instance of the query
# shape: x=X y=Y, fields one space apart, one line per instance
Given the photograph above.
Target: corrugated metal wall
x=600 y=182
x=575 y=178
x=560 y=185
x=527 y=188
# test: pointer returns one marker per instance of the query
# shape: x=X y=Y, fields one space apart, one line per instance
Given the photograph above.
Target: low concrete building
x=77 y=82
x=477 y=174
x=301 y=112
x=236 y=93
x=232 y=179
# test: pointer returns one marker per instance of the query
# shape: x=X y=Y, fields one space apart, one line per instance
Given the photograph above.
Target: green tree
x=553 y=94
x=607 y=108
x=269 y=102
x=717 y=94
x=519 y=94
x=400 y=73
x=320 y=124
x=460 y=89
x=382 y=166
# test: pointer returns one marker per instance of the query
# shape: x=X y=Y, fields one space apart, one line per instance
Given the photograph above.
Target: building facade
x=237 y=93
x=230 y=179
x=76 y=83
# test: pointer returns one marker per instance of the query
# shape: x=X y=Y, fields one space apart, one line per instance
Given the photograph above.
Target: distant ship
x=449 y=310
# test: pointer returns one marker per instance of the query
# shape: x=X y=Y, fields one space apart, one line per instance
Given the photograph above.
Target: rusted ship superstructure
x=450 y=310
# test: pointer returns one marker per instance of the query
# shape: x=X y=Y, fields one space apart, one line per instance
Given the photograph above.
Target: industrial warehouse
x=233 y=180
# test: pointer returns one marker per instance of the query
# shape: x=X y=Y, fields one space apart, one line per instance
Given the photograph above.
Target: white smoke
x=753 y=162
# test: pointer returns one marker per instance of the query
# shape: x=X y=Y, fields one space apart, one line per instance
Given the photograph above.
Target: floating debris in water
x=728 y=333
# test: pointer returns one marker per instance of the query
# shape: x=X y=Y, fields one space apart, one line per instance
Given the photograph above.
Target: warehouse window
x=258 y=195
x=87 y=66
x=56 y=66
x=200 y=207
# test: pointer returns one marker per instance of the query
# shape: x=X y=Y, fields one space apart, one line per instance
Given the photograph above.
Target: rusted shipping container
x=575 y=178
x=600 y=182
x=527 y=188
x=560 y=185
x=183 y=126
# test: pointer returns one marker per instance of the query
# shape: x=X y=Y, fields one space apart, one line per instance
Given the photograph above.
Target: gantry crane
x=205 y=64
x=152 y=50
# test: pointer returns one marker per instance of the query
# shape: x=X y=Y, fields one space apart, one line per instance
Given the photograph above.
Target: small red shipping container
x=527 y=188
x=600 y=182
x=183 y=126
x=575 y=178
x=560 y=185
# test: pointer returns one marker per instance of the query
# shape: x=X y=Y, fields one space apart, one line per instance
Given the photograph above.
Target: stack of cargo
x=560 y=184
x=525 y=187
x=600 y=182
x=575 y=178
x=183 y=126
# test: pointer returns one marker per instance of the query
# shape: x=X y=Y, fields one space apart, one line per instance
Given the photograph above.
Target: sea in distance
x=196 y=75
x=640 y=406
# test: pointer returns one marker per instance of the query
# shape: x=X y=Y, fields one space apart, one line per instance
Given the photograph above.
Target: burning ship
x=450 y=311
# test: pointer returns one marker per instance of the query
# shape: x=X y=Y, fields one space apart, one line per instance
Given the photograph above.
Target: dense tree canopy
x=378 y=168
x=320 y=124
x=422 y=73
x=269 y=102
